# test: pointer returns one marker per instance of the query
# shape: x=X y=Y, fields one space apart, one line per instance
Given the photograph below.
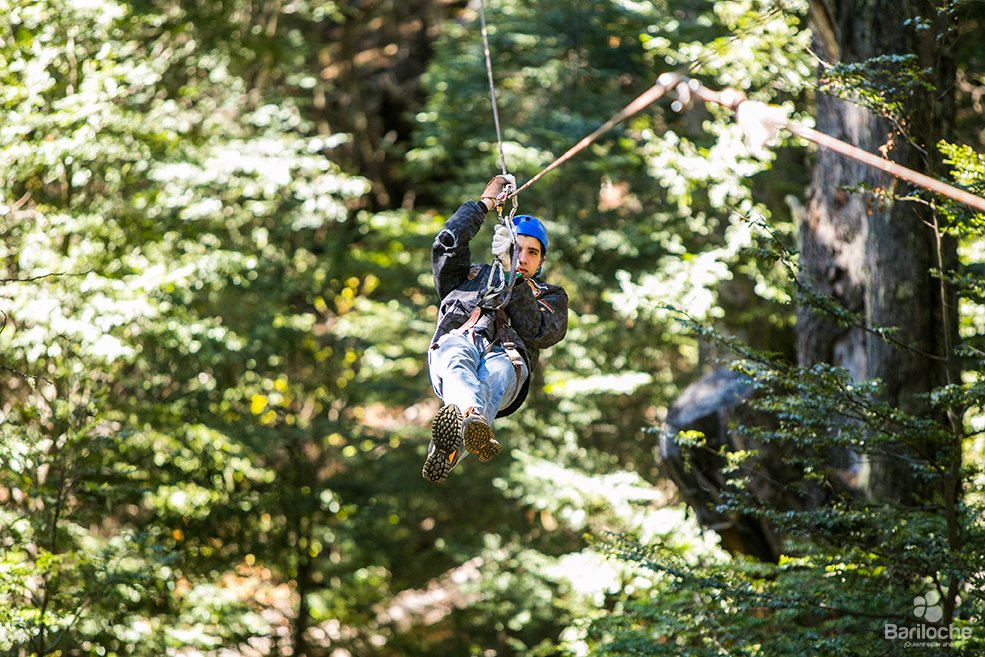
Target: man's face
x=531 y=255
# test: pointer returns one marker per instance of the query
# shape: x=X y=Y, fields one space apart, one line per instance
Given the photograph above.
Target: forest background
x=216 y=303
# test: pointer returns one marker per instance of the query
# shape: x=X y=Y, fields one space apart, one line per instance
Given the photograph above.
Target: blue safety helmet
x=532 y=227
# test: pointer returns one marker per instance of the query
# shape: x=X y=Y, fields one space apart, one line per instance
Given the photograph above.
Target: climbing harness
x=496 y=296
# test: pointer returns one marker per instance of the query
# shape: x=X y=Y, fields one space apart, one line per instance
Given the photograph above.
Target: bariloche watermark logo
x=927 y=607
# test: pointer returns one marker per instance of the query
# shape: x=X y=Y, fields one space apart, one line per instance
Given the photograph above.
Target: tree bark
x=875 y=256
x=370 y=70
x=302 y=621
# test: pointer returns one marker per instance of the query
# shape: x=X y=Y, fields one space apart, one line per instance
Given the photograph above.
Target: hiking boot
x=446 y=449
x=478 y=436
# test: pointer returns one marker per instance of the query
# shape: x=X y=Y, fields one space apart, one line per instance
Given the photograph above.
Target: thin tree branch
x=32 y=279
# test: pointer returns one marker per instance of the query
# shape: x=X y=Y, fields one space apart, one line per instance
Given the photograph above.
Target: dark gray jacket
x=538 y=311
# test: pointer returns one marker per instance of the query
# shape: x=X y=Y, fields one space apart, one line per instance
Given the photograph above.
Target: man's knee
x=452 y=343
x=456 y=352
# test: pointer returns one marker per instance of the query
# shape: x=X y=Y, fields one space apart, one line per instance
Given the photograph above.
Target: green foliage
x=887 y=85
x=247 y=343
x=216 y=397
x=852 y=567
x=166 y=281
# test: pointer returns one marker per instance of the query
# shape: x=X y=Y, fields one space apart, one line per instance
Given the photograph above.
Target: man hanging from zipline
x=491 y=328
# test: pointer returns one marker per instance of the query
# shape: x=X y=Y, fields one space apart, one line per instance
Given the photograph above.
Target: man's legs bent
x=498 y=380
x=454 y=367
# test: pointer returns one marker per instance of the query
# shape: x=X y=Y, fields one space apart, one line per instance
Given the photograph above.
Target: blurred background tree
x=216 y=302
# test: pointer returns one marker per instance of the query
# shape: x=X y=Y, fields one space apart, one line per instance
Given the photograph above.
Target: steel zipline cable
x=492 y=85
x=497 y=296
x=685 y=89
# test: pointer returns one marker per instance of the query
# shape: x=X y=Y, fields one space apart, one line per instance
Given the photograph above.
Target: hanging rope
x=766 y=116
x=497 y=295
x=645 y=99
x=685 y=88
x=492 y=85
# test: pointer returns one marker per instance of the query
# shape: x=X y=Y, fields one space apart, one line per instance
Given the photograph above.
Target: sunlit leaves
x=885 y=84
x=166 y=209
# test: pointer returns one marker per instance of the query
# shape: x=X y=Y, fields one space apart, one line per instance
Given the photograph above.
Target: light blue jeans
x=463 y=375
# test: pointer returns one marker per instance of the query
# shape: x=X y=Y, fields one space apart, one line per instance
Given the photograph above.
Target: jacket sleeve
x=540 y=322
x=450 y=254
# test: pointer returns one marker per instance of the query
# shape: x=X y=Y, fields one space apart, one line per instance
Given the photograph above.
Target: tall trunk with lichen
x=873 y=254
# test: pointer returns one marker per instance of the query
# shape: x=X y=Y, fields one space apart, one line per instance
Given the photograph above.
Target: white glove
x=501 y=242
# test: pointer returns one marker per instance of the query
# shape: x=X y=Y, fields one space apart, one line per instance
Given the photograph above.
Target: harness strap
x=501 y=336
x=517 y=361
x=470 y=322
x=502 y=321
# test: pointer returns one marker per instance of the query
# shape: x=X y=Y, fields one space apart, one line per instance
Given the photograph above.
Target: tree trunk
x=370 y=70
x=875 y=256
x=302 y=621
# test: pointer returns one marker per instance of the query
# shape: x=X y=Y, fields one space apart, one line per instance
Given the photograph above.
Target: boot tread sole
x=479 y=440
x=446 y=431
